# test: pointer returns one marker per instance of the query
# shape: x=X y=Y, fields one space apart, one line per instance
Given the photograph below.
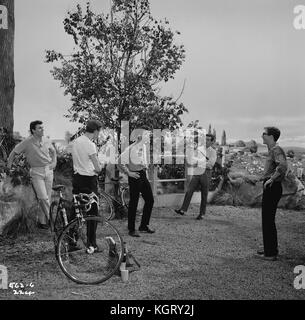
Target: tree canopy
x=119 y=61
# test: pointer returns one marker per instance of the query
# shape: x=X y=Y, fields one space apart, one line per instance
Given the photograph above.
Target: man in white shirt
x=137 y=155
x=201 y=176
x=86 y=166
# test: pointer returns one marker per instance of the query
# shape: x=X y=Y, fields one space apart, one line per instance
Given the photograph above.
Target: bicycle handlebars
x=84 y=200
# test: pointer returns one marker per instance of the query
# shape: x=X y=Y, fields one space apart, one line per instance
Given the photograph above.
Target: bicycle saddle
x=59 y=187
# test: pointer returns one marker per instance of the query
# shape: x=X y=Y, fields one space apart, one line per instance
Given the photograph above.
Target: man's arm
x=11 y=158
x=280 y=160
x=19 y=148
x=53 y=156
x=124 y=167
x=212 y=159
x=96 y=163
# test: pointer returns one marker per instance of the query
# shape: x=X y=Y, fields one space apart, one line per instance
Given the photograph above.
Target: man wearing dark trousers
x=136 y=169
x=201 y=176
x=86 y=167
x=274 y=173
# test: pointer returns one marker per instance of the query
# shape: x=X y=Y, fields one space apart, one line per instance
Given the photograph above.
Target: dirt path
x=185 y=259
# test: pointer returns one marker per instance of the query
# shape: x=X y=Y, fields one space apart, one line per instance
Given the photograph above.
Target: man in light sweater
x=41 y=156
x=204 y=163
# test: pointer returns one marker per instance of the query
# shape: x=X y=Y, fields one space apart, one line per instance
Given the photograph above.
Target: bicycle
x=108 y=203
x=73 y=253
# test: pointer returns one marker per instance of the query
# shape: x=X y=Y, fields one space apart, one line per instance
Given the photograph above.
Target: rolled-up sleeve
x=281 y=164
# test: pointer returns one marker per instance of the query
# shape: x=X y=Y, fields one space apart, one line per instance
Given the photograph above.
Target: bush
x=240 y=143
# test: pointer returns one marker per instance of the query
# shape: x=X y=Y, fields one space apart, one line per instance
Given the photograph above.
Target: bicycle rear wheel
x=3 y=154
x=74 y=259
x=125 y=200
x=105 y=207
x=56 y=219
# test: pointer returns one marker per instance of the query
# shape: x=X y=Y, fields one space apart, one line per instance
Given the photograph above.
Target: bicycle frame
x=121 y=189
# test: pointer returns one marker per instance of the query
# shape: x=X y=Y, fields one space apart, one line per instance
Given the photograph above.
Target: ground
x=185 y=259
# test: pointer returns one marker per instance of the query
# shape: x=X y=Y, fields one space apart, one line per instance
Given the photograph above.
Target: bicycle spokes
x=85 y=266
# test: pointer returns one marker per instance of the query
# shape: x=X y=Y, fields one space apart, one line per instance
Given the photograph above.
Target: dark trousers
x=271 y=198
x=87 y=184
x=201 y=181
x=137 y=186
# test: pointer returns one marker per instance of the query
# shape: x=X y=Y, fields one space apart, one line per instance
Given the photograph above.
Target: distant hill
x=263 y=148
x=295 y=149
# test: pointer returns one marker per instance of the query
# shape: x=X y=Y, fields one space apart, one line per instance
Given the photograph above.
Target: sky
x=244 y=67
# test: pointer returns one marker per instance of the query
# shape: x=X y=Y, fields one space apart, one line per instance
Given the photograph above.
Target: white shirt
x=212 y=155
x=201 y=162
x=82 y=149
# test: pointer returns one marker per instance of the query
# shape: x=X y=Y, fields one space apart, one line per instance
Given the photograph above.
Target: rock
x=15 y=201
x=223 y=198
x=8 y=211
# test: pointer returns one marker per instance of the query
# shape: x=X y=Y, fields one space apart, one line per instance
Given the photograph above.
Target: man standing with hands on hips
x=136 y=166
x=41 y=156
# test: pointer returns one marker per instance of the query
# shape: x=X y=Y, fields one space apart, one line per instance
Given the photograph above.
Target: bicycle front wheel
x=72 y=250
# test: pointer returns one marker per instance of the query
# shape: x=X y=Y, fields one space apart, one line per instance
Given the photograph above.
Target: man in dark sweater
x=274 y=173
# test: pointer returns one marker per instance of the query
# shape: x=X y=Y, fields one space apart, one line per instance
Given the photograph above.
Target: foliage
x=117 y=64
x=290 y=154
x=20 y=173
x=240 y=143
x=224 y=138
x=170 y=171
x=64 y=163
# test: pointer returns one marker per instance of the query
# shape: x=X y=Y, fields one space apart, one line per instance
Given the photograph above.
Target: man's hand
x=268 y=183
x=52 y=166
x=134 y=175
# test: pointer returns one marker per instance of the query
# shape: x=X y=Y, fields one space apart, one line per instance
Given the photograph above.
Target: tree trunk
x=7 y=82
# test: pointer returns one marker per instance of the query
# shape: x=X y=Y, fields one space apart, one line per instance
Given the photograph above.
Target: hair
x=33 y=125
x=211 y=136
x=93 y=125
x=273 y=131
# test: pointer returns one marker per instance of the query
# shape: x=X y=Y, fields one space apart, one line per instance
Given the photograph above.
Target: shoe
x=146 y=230
x=179 y=212
x=268 y=258
x=43 y=226
x=260 y=252
x=134 y=234
x=199 y=217
x=92 y=249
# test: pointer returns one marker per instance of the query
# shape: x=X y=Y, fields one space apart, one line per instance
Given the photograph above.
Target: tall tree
x=224 y=138
x=7 y=83
x=210 y=129
x=119 y=61
x=214 y=134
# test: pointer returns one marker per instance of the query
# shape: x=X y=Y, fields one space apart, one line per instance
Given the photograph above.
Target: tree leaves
x=116 y=65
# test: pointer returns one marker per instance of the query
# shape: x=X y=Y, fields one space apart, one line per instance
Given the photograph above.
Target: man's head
x=36 y=128
x=94 y=127
x=270 y=135
x=209 y=139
